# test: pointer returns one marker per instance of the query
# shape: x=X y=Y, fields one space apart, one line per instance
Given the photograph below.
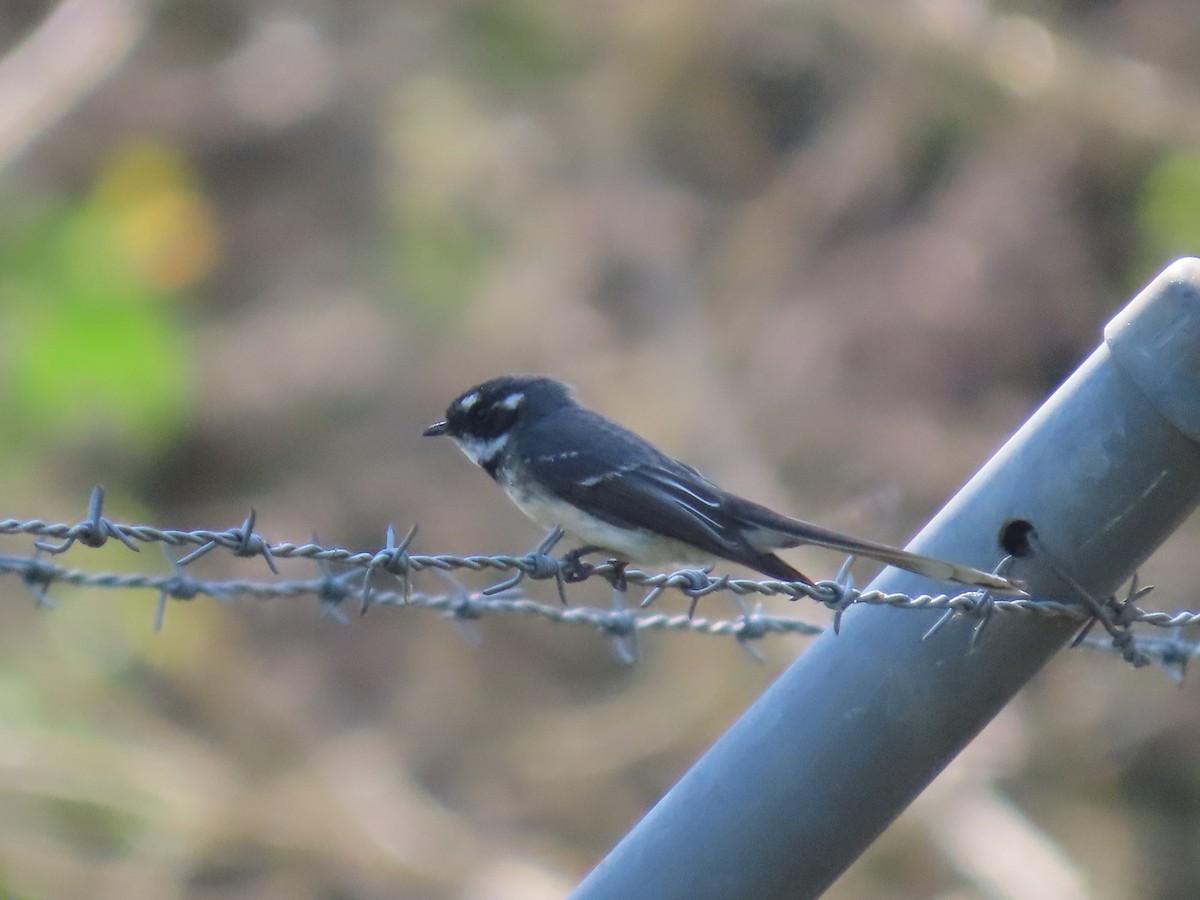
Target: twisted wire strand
x=1172 y=653
x=536 y=565
x=506 y=597
x=462 y=604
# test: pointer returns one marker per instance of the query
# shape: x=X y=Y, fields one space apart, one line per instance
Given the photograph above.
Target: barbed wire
x=355 y=584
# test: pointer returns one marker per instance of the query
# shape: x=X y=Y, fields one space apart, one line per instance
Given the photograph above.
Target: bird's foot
x=616 y=574
x=574 y=569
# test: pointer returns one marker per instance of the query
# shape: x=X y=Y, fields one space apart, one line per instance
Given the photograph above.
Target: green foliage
x=441 y=260
x=1169 y=209
x=90 y=340
x=519 y=41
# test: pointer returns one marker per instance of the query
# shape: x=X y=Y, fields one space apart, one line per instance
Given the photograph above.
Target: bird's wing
x=662 y=496
x=666 y=497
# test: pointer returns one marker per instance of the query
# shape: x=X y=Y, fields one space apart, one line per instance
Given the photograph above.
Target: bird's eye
x=498 y=420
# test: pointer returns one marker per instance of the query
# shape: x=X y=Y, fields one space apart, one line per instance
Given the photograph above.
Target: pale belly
x=642 y=547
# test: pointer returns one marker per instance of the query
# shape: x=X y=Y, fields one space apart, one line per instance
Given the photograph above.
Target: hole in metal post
x=1015 y=537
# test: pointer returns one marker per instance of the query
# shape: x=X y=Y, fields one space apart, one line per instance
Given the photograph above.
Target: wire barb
x=94 y=531
x=622 y=630
x=242 y=541
x=1111 y=614
x=393 y=558
x=37 y=576
x=181 y=587
x=537 y=564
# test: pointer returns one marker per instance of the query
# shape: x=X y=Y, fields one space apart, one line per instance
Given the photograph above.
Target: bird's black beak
x=435 y=429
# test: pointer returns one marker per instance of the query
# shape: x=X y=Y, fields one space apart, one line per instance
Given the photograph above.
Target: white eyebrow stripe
x=468 y=401
x=512 y=401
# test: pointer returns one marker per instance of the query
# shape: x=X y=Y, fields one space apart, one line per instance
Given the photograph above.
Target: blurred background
x=831 y=251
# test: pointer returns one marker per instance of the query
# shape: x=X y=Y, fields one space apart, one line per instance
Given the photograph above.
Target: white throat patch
x=482 y=451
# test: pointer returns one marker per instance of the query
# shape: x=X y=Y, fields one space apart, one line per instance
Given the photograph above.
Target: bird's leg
x=574 y=568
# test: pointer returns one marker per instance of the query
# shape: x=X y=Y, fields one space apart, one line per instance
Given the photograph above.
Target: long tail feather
x=782 y=531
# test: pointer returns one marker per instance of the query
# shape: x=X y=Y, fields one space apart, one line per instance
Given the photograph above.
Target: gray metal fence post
x=833 y=751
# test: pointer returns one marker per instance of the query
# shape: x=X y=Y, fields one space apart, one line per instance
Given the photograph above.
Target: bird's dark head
x=481 y=419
